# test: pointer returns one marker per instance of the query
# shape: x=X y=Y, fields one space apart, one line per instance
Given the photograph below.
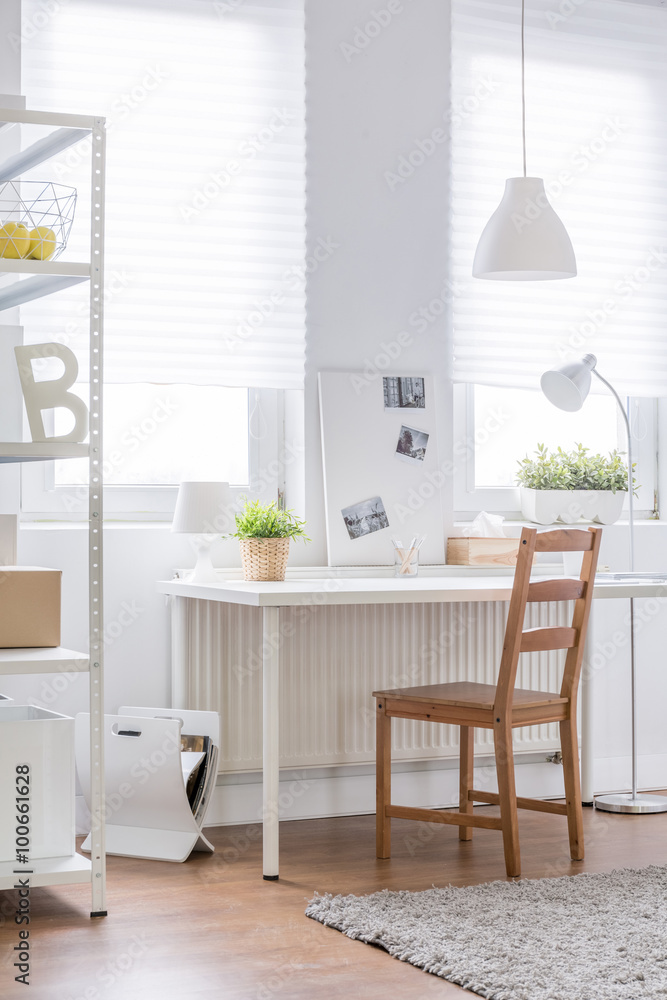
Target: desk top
x=384 y=590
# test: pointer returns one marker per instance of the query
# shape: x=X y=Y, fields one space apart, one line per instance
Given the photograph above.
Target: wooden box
x=482 y=551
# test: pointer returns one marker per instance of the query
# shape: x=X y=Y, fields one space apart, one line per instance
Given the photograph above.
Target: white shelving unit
x=35 y=279
x=37 y=660
x=40 y=451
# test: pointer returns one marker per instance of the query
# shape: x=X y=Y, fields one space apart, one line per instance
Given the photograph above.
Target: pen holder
x=406 y=560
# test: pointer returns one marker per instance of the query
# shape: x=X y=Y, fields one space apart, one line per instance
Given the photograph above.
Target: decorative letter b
x=52 y=393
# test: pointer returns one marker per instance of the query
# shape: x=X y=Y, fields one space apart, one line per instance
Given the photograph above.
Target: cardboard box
x=29 y=606
x=482 y=551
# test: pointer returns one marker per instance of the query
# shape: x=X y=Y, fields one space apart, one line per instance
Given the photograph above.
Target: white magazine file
x=147 y=810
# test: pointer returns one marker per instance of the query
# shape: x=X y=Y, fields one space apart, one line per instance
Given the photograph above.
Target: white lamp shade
x=203 y=508
x=567 y=386
x=524 y=240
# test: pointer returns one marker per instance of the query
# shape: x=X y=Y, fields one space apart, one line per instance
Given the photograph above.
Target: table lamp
x=567 y=387
x=203 y=510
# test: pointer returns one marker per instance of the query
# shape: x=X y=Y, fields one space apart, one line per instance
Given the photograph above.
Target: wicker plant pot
x=264 y=558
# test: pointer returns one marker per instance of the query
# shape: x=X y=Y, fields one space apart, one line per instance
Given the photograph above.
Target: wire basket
x=46 y=213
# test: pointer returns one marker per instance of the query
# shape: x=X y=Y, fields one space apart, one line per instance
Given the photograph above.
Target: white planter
x=44 y=741
x=569 y=506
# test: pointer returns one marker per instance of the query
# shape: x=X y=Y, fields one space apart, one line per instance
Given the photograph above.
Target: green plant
x=267 y=520
x=573 y=470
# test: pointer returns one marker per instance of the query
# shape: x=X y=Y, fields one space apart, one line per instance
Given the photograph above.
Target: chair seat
x=468 y=694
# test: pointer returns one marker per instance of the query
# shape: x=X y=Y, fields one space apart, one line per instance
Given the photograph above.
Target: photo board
x=382 y=477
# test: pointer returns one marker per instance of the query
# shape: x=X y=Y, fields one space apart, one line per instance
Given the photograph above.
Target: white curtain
x=596 y=80
x=205 y=182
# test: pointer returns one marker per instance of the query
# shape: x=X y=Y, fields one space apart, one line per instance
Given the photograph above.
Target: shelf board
x=19 y=116
x=47 y=871
x=79 y=269
x=42 y=660
x=40 y=451
x=35 y=288
x=40 y=151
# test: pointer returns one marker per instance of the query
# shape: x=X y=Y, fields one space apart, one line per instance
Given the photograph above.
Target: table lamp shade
x=202 y=508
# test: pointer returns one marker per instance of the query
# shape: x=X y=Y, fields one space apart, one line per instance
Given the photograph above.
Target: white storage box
x=5 y=700
x=44 y=741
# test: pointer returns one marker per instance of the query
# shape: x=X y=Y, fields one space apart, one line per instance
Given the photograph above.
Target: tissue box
x=482 y=551
x=29 y=606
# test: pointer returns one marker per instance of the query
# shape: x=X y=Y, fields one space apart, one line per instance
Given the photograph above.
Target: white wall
x=366 y=109
x=368 y=100
x=10 y=55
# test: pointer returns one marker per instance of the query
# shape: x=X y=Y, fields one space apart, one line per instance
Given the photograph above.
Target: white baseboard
x=614 y=774
x=316 y=793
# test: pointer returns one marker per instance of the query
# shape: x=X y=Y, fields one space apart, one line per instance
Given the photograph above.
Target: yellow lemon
x=42 y=243
x=14 y=240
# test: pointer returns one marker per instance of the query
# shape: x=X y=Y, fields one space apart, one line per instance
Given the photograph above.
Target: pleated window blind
x=205 y=182
x=596 y=79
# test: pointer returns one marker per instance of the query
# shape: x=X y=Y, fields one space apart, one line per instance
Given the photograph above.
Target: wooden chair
x=504 y=707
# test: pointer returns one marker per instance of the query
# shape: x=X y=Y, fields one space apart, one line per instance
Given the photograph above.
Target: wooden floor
x=212 y=929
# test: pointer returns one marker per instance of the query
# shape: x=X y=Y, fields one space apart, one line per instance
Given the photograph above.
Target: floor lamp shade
x=568 y=385
x=524 y=240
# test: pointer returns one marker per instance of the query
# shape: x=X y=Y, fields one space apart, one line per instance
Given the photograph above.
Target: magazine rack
x=148 y=814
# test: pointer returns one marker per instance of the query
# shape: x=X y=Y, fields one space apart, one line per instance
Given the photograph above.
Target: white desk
x=449 y=586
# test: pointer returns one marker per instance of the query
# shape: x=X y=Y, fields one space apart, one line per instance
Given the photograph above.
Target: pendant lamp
x=524 y=240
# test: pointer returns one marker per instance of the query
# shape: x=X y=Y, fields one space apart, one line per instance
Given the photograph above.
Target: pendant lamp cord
x=523 y=82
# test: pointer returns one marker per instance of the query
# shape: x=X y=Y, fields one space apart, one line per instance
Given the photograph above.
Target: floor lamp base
x=626 y=802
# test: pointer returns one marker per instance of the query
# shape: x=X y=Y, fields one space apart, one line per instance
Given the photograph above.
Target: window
x=148 y=449
x=494 y=428
x=205 y=233
x=146 y=423
x=595 y=82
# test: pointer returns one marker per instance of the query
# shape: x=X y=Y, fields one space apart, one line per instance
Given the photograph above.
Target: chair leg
x=382 y=780
x=502 y=734
x=467 y=763
x=575 y=819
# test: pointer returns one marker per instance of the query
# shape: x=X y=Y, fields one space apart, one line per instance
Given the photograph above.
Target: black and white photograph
x=364 y=517
x=401 y=393
x=412 y=444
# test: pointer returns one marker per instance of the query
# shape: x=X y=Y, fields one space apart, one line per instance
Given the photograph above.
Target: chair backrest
x=571 y=637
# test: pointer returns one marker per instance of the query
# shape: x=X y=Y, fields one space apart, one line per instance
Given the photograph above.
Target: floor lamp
x=567 y=387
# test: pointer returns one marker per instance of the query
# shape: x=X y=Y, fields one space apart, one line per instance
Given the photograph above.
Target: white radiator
x=333 y=658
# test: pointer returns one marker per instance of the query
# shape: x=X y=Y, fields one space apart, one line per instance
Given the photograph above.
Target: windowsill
x=51 y=523
x=45 y=524
x=460 y=526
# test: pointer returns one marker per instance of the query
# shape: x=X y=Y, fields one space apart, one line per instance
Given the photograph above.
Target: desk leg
x=179 y=652
x=271 y=748
x=587 y=742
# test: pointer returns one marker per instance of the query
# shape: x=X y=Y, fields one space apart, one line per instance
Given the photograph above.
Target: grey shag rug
x=582 y=937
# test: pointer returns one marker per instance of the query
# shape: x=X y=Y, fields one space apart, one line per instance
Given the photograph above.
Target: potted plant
x=264 y=531
x=567 y=486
